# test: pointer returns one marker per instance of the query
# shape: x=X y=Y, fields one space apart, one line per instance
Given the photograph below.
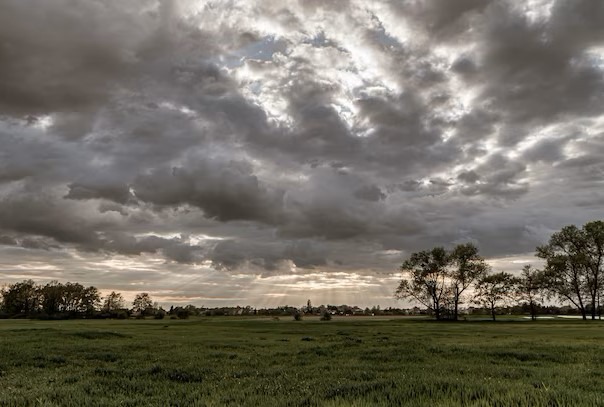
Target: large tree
x=530 y=288
x=113 y=302
x=574 y=265
x=425 y=279
x=438 y=278
x=467 y=268
x=20 y=298
x=142 y=302
x=495 y=289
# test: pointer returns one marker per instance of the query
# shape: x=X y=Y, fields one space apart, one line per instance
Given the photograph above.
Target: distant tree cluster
x=53 y=300
x=441 y=280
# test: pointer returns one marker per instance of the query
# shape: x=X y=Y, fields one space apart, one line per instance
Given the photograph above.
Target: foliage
x=182 y=313
x=326 y=316
x=113 y=302
x=531 y=288
x=20 y=298
x=494 y=290
x=574 y=265
x=52 y=300
x=438 y=278
x=468 y=268
x=142 y=303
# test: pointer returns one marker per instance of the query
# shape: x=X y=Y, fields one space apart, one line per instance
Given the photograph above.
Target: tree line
x=55 y=300
x=441 y=279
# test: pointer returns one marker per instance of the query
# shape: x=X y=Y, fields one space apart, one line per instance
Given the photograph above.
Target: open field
x=262 y=362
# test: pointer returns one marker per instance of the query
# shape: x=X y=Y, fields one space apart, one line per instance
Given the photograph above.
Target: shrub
x=326 y=316
x=297 y=316
x=121 y=314
x=182 y=313
x=159 y=314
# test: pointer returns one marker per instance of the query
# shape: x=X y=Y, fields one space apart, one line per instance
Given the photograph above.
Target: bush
x=159 y=314
x=121 y=314
x=326 y=316
x=182 y=313
x=297 y=316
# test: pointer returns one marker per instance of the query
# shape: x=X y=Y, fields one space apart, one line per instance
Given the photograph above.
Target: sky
x=266 y=152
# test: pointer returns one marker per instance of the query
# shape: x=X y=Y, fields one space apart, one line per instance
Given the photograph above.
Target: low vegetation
x=346 y=362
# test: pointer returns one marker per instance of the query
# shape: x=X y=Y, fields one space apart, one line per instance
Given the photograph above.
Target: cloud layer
x=267 y=139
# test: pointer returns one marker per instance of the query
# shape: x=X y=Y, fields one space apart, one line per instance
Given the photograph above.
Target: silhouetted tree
x=468 y=268
x=427 y=279
x=113 y=302
x=574 y=265
x=437 y=278
x=142 y=302
x=530 y=288
x=20 y=298
x=494 y=289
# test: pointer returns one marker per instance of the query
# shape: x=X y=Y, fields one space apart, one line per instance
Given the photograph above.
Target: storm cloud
x=302 y=138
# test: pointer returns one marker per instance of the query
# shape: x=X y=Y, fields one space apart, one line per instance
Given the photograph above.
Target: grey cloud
x=333 y=135
x=226 y=190
x=231 y=254
x=444 y=20
x=116 y=193
x=370 y=193
x=531 y=73
x=498 y=177
x=468 y=176
x=94 y=37
x=546 y=151
x=43 y=216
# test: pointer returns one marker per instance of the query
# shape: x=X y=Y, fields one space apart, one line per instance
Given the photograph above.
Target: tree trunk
x=493 y=313
x=581 y=305
x=594 y=306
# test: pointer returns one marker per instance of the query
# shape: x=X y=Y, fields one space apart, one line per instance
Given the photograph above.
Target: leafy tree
x=69 y=298
x=90 y=298
x=468 y=268
x=51 y=297
x=530 y=288
x=20 y=298
x=574 y=265
x=428 y=279
x=438 y=279
x=142 y=302
x=494 y=289
x=113 y=302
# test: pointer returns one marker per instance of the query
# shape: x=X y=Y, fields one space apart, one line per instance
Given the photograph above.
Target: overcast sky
x=266 y=152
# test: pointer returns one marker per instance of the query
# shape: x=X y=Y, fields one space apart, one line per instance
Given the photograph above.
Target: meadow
x=213 y=361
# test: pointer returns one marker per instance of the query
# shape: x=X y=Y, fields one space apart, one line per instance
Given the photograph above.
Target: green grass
x=261 y=362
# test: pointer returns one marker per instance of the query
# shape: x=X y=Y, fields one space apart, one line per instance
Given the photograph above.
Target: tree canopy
x=438 y=278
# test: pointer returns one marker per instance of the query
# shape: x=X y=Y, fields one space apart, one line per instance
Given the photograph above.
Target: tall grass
x=344 y=362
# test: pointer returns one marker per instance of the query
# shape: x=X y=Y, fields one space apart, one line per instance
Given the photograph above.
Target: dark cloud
x=225 y=190
x=307 y=137
x=370 y=193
